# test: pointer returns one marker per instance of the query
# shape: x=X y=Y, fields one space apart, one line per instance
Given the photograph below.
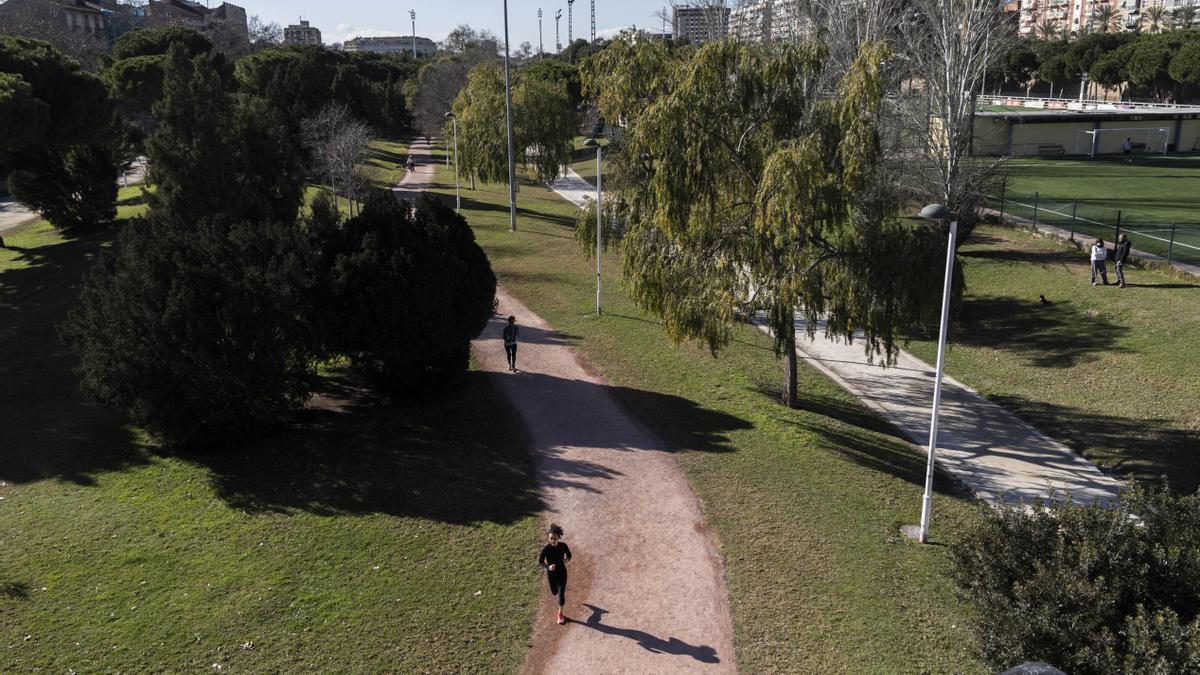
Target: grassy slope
x=805 y=504
x=1112 y=373
x=355 y=542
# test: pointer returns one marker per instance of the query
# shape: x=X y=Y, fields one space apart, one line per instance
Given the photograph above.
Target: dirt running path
x=646 y=590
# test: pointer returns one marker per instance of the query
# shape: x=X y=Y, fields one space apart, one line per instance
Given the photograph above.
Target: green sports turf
x=1151 y=194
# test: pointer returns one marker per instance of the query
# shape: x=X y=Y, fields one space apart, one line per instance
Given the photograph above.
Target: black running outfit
x=556 y=555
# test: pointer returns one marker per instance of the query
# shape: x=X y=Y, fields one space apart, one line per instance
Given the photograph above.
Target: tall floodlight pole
x=412 y=14
x=599 y=224
x=557 y=33
x=541 y=49
x=512 y=172
x=593 y=21
x=937 y=212
x=570 y=21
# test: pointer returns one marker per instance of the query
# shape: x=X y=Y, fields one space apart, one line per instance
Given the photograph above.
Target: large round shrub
x=410 y=290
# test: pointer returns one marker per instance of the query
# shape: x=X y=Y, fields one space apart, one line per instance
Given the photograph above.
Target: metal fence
x=1177 y=242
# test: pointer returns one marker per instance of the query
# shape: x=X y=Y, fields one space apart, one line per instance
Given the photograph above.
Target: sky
x=343 y=19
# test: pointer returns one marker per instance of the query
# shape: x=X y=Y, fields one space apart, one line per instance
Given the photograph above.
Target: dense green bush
x=1088 y=589
x=192 y=328
x=410 y=288
x=72 y=188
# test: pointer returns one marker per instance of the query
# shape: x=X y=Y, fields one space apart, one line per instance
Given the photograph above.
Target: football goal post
x=1092 y=142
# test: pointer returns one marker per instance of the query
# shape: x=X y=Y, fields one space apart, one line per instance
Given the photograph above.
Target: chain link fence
x=1177 y=242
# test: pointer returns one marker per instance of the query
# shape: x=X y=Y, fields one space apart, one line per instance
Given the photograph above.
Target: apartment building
x=770 y=21
x=301 y=34
x=700 y=24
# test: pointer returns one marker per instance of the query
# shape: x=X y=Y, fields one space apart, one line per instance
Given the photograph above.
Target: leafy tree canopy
x=22 y=116
x=156 y=42
x=76 y=102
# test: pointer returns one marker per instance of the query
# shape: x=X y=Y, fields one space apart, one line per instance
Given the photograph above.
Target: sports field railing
x=1177 y=242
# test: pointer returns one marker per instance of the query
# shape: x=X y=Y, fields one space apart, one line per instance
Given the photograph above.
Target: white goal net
x=1092 y=142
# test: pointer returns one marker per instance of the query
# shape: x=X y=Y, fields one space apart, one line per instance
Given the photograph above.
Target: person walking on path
x=1099 y=255
x=1128 y=148
x=1121 y=255
x=554 y=559
x=510 y=343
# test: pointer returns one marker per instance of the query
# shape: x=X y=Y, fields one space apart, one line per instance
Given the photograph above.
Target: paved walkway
x=1000 y=457
x=574 y=188
x=422 y=178
x=647 y=590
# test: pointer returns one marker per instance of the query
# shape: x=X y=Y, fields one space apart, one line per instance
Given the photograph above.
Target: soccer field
x=1152 y=197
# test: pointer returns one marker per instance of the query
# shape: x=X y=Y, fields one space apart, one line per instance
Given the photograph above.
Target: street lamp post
x=939 y=213
x=457 y=190
x=541 y=48
x=412 y=14
x=557 y=33
x=599 y=224
x=512 y=173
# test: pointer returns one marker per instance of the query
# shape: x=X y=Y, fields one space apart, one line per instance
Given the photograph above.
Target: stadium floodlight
x=1092 y=142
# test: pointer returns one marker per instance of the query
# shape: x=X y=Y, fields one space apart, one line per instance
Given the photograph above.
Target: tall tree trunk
x=790 y=398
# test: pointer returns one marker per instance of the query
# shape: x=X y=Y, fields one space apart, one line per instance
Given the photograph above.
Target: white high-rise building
x=771 y=21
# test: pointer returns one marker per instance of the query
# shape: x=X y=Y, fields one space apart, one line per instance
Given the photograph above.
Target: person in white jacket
x=1099 y=256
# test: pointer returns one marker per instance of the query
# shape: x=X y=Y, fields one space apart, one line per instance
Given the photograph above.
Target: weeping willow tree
x=751 y=183
x=544 y=124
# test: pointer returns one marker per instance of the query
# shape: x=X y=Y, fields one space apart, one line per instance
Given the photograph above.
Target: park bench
x=1045 y=149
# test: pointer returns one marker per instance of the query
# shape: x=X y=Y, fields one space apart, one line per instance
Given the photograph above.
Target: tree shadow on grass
x=17 y=590
x=461 y=457
x=1143 y=449
x=1047 y=336
x=48 y=430
x=857 y=434
x=1035 y=256
x=456 y=457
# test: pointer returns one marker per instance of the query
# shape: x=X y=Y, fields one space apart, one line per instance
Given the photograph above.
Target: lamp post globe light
x=938 y=213
x=457 y=192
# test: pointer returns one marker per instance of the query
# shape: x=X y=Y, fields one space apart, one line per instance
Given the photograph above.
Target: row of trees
x=70 y=131
x=1163 y=66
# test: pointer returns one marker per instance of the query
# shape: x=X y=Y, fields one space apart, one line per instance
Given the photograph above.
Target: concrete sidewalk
x=1000 y=457
x=573 y=188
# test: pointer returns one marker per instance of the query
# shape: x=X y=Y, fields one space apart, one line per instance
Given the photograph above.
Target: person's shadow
x=647 y=641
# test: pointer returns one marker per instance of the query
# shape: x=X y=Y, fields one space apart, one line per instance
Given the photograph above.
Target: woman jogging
x=510 y=343
x=554 y=558
x=1099 y=255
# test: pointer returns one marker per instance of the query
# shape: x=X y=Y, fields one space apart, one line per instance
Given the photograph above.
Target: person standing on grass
x=510 y=343
x=554 y=559
x=1121 y=255
x=1099 y=255
x=1128 y=148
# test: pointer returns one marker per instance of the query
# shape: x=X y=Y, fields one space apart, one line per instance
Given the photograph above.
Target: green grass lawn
x=381 y=538
x=805 y=504
x=1113 y=373
x=1152 y=193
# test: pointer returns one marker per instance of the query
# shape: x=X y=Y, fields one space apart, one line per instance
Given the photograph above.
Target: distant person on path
x=1128 y=148
x=1121 y=254
x=411 y=164
x=1099 y=255
x=510 y=343
x=554 y=559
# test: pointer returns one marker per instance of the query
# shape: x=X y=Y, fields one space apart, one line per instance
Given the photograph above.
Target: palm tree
x=1154 y=18
x=1047 y=29
x=1184 y=16
x=1106 y=19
